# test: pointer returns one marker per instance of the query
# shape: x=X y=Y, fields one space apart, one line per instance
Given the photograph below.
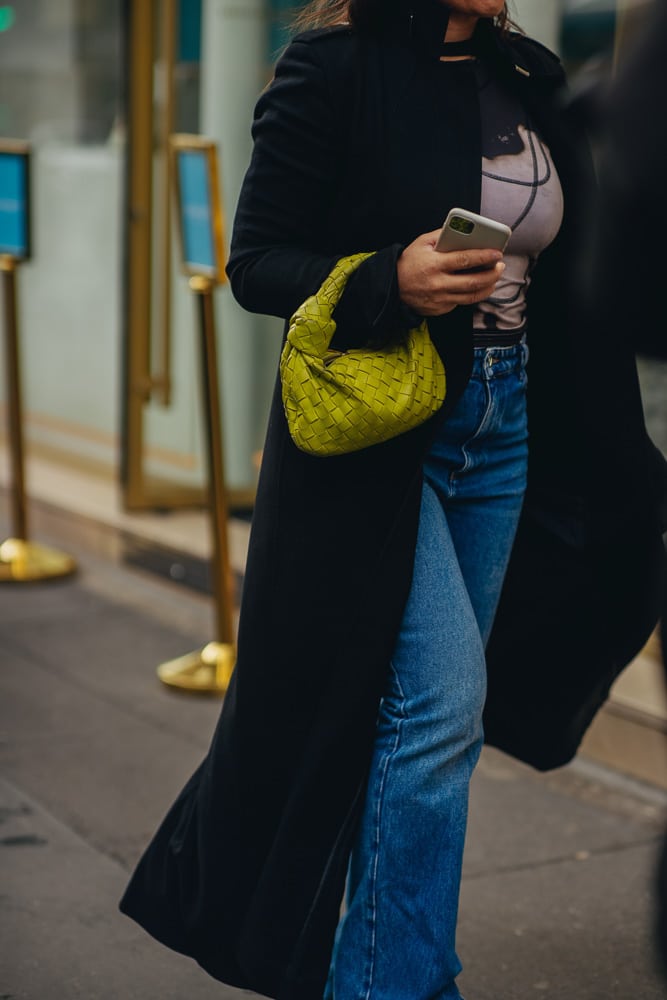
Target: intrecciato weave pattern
x=342 y=402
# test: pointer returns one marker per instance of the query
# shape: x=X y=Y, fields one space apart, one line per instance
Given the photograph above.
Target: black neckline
x=467 y=47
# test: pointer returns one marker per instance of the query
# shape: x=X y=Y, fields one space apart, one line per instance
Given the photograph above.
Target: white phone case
x=465 y=230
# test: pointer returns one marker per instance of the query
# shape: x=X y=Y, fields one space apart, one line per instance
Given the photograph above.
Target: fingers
x=466 y=288
x=463 y=260
x=433 y=283
x=448 y=290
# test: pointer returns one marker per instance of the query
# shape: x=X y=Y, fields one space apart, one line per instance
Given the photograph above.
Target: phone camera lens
x=461 y=225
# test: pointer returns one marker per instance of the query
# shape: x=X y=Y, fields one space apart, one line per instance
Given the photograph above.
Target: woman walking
x=383 y=587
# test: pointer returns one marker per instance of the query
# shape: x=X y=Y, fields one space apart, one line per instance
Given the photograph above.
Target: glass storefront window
x=61 y=88
x=281 y=16
x=587 y=33
x=187 y=73
x=60 y=71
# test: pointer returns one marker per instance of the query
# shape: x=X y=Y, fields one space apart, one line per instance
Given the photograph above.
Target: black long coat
x=360 y=145
x=633 y=157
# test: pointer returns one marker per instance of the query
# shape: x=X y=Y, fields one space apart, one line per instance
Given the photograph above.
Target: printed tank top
x=520 y=187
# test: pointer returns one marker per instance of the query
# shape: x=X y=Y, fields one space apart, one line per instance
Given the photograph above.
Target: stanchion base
x=23 y=561
x=206 y=671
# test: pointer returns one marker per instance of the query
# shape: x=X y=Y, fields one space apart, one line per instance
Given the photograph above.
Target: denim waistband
x=494 y=362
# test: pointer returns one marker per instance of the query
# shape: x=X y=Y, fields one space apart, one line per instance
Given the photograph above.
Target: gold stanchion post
x=208 y=670
x=20 y=559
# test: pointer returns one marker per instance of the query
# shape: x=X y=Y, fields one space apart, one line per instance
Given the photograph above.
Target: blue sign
x=14 y=205
x=197 y=212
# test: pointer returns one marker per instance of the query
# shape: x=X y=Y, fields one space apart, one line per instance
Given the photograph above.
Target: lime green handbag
x=342 y=401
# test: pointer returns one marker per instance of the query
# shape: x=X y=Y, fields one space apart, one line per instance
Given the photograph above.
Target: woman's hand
x=428 y=281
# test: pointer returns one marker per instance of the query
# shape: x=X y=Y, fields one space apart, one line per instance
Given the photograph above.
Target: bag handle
x=312 y=326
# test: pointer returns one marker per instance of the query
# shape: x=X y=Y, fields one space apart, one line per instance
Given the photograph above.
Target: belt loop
x=525 y=353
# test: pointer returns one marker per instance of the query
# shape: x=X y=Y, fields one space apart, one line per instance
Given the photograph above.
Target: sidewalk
x=557 y=893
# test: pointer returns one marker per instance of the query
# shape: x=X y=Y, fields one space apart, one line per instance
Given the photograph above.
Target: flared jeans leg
x=397 y=939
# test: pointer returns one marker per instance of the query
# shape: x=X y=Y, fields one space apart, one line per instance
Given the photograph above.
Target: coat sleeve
x=276 y=259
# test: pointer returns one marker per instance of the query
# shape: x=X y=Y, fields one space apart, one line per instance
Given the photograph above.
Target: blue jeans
x=397 y=938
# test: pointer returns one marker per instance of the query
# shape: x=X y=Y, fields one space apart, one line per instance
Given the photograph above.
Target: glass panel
x=281 y=14
x=587 y=33
x=61 y=88
x=188 y=61
x=539 y=20
x=172 y=424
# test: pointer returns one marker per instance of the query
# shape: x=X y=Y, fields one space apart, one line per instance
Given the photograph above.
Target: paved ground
x=557 y=895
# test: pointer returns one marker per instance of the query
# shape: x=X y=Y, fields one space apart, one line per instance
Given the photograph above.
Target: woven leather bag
x=337 y=402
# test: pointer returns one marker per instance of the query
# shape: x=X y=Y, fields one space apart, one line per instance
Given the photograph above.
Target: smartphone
x=465 y=230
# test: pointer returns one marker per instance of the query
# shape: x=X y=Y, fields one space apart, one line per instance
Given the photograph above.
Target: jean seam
x=456 y=473
x=376 y=840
